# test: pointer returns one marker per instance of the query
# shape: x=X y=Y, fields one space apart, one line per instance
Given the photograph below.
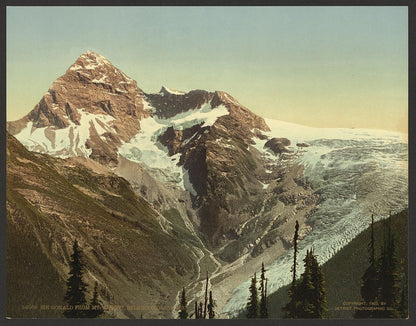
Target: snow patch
x=230 y=99
x=121 y=90
x=69 y=141
x=146 y=105
x=75 y=67
x=101 y=80
x=187 y=183
x=145 y=148
x=174 y=92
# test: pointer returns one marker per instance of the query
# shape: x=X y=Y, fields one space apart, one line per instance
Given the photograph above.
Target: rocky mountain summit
x=74 y=115
x=204 y=139
x=199 y=161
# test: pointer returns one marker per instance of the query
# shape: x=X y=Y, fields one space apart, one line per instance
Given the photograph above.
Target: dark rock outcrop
x=278 y=145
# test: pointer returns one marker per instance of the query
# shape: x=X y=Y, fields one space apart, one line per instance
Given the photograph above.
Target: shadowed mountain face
x=202 y=141
x=155 y=187
x=134 y=253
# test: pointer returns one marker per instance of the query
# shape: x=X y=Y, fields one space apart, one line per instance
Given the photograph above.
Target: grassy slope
x=343 y=271
x=30 y=283
x=123 y=243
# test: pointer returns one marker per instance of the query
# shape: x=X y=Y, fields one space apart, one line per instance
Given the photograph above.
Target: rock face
x=160 y=186
x=89 y=110
x=199 y=146
x=278 y=145
x=134 y=253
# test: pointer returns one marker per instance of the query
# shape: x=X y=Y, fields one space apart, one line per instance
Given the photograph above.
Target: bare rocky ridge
x=92 y=85
x=239 y=206
x=133 y=252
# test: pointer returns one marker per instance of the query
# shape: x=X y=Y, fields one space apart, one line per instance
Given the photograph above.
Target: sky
x=317 y=66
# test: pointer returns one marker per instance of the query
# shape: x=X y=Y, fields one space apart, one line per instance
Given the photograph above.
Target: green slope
x=343 y=271
x=137 y=259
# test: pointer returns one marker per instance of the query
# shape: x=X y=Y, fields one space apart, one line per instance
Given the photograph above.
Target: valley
x=161 y=188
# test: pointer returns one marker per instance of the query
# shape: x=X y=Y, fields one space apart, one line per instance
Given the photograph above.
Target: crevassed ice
x=357 y=172
x=145 y=148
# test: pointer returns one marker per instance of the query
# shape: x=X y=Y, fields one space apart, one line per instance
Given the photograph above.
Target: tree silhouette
x=369 y=280
x=252 y=304
x=76 y=287
x=263 y=293
x=183 y=314
x=319 y=292
x=211 y=305
x=96 y=308
x=291 y=308
x=388 y=291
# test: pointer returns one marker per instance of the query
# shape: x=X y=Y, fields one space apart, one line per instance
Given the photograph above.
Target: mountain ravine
x=111 y=166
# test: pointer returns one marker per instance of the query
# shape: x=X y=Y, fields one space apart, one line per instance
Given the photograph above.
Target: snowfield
x=145 y=148
x=65 y=142
x=356 y=172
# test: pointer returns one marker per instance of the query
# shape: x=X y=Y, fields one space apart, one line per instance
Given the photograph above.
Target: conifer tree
x=306 y=290
x=183 y=314
x=291 y=308
x=76 y=287
x=196 y=310
x=309 y=299
x=252 y=304
x=211 y=305
x=319 y=296
x=388 y=274
x=295 y=251
x=263 y=293
x=369 y=280
x=402 y=308
x=369 y=285
x=200 y=311
x=96 y=308
x=206 y=297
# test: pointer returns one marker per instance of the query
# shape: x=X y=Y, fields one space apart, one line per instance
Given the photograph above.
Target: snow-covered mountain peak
x=167 y=91
x=95 y=56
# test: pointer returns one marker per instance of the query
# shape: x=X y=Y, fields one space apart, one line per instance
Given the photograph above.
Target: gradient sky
x=318 y=66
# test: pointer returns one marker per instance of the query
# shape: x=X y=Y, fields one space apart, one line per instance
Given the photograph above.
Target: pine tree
x=196 y=310
x=295 y=251
x=369 y=286
x=263 y=293
x=402 y=307
x=292 y=307
x=200 y=311
x=309 y=299
x=211 y=305
x=319 y=296
x=183 y=314
x=96 y=308
x=252 y=304
x=388 y=274
x=206 y=297
x=306 y=290
x=369 y=280
x=76 y=287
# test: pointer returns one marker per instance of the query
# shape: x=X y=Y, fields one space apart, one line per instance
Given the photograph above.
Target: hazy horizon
x=315 y=66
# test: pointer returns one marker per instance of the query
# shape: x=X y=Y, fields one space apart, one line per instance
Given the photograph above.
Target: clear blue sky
x=319 y=66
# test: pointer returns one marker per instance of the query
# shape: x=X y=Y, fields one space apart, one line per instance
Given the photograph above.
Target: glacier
x=357 y=172
x=144 y=147
x=69 y=141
